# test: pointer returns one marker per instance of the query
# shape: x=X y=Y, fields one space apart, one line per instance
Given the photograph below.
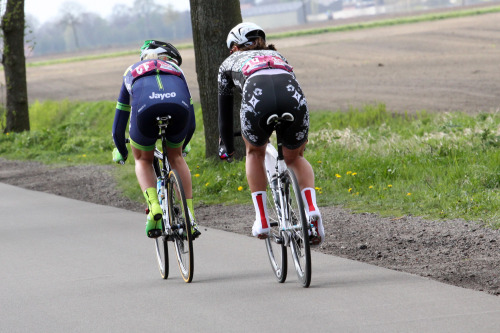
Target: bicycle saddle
x=285 y=116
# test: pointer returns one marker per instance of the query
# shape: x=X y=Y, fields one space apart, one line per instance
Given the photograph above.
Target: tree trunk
x=14 y=64
x=211 y=21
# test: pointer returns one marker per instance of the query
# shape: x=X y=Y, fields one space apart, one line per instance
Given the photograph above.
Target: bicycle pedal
x=196 y=234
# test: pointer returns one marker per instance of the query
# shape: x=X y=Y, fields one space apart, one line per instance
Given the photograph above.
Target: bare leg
x=255 y=170
x=257 y=181
x=144 y=168
x=147 y=181
x=178 y=163
x=295 y=160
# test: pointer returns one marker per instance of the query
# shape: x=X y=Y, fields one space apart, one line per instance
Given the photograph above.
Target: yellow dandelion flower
x=207 y=184
x=84 y=155
x=197 y=175
x=317 y=188
x=408 y=193
x=350 y=189
x=240 y=188
x=348 y=172
x=370 y=187
x=389 y=185
x=354 y=174
x=319 y=162
x=338 y=176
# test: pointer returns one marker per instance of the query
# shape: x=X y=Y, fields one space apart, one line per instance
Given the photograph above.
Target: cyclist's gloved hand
x=223 y=153
x=117 y=157
x=186 y=150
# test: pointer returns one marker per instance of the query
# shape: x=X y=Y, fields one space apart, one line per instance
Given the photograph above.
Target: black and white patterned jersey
x=236 y=69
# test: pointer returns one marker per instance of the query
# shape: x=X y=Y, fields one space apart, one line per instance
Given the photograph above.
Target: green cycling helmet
x=157 y=47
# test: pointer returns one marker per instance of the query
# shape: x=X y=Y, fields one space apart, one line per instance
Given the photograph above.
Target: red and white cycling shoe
x=258 y=230
x=316 y=236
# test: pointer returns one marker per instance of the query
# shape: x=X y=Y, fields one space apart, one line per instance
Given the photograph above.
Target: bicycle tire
x=299 y=232
x=181 y=226
x=162 y=253
x=161 y=243
x=275 y=245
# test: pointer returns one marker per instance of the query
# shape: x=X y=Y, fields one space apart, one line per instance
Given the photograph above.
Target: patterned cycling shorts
x=270 y=92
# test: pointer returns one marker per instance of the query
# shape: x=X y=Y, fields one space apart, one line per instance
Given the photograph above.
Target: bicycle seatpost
x=276 y=121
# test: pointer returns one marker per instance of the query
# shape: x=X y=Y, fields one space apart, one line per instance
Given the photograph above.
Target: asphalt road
x=72 y=266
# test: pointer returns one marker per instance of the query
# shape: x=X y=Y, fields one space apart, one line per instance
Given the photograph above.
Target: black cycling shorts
x=270 y=92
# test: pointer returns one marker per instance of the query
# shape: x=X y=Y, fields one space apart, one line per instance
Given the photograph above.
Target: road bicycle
x=176 y=226
x=289 y=226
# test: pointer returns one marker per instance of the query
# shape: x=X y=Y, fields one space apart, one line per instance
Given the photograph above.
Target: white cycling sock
x=259 y=199
x=309 y=198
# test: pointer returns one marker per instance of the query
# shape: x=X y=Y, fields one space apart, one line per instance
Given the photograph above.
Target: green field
x=433 y=165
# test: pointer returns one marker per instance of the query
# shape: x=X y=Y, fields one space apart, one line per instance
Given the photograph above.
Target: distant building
x=322 y=6
x=275 y=15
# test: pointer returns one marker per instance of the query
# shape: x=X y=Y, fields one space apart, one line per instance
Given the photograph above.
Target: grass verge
x=438 y=166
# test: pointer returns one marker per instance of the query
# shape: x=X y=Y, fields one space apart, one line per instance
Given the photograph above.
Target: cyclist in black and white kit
x=268 y=86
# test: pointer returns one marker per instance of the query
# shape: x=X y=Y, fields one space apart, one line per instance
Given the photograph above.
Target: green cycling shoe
x=154 y=220
x=153 y=227
x=194 y=227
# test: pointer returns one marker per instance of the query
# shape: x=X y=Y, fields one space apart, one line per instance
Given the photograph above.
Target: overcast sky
x=45 y=10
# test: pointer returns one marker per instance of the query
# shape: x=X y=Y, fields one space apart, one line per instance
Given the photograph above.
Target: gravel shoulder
x=456 y=252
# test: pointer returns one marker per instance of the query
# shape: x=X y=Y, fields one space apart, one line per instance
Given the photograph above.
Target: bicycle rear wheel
x=161 y=245
x=275 y=244
x=181 y=226
x=299 y=231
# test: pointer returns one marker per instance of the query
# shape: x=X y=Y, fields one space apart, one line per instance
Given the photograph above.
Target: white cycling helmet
x=244 y=33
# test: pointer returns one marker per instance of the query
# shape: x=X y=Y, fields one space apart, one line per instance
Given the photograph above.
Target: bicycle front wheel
x=299 y=229
x=275 y=244
x=181 y=226
x=162 y=253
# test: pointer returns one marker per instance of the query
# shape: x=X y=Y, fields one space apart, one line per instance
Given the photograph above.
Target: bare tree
x=14 y=64
x=144 y=9
x=170 y=17
x=70 y=17
x=211 y=21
